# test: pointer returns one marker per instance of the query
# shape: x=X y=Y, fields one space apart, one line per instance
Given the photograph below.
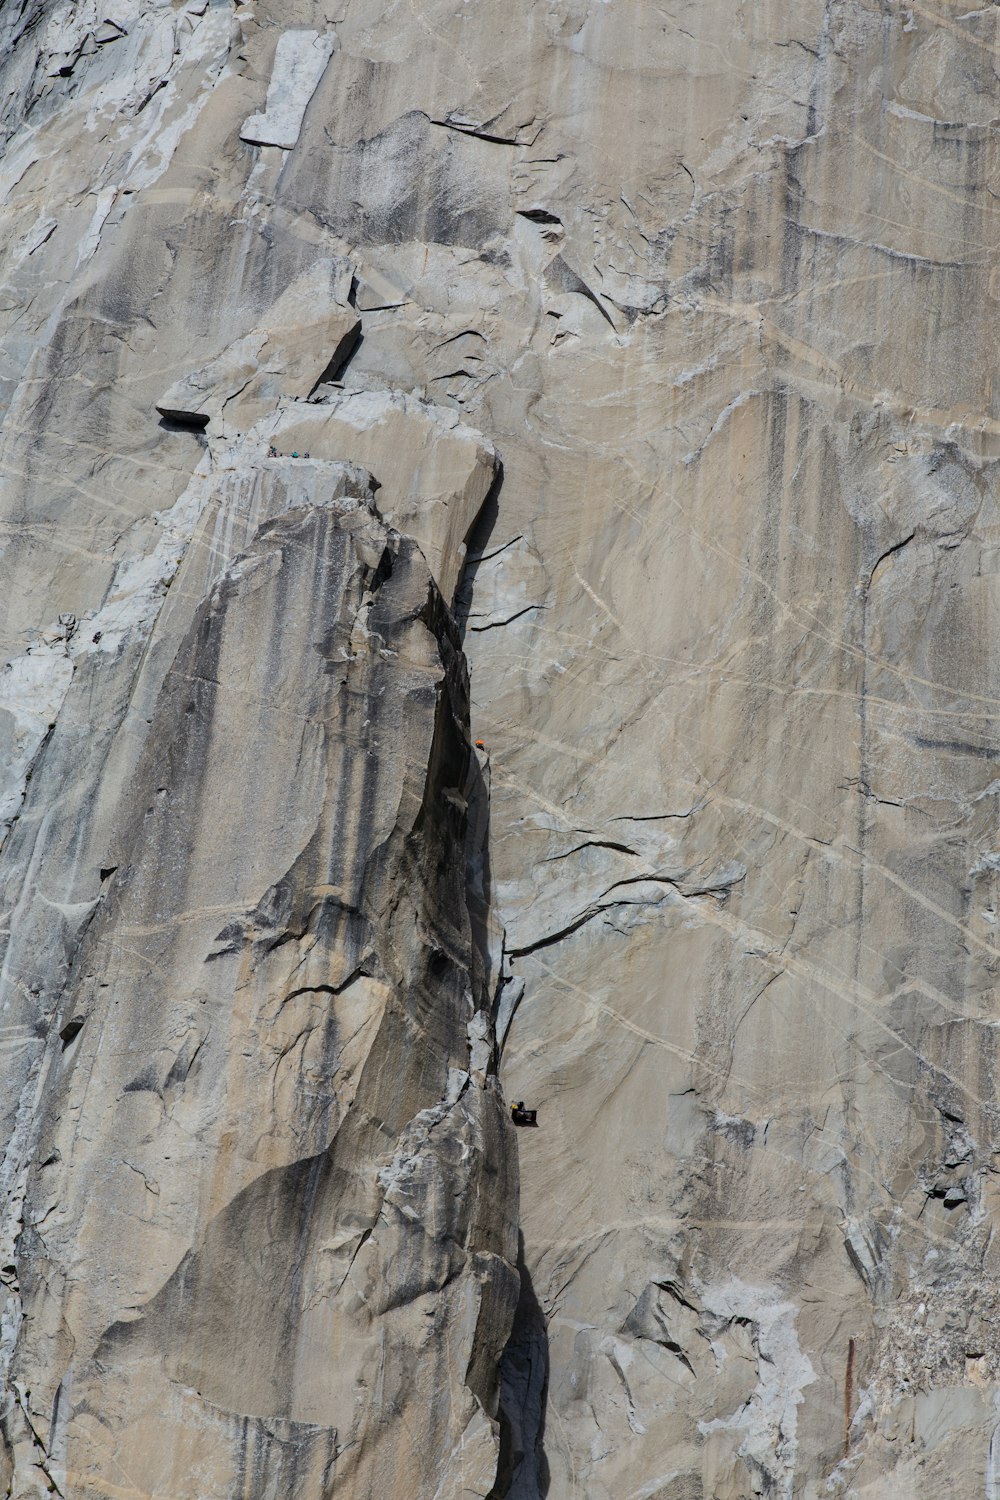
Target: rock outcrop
x=279 y=989
x=718 y=897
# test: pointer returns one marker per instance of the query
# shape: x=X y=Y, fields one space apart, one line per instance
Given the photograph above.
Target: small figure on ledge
x=522 y=1116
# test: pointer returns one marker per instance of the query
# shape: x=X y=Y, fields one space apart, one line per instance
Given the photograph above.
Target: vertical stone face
x=265 y=1145
x=718 y=283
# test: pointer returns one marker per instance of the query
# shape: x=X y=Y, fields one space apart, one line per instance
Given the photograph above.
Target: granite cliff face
x=611 y=382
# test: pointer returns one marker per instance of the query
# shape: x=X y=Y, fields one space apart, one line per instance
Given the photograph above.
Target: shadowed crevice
x=476 y=544
x=523 y=1469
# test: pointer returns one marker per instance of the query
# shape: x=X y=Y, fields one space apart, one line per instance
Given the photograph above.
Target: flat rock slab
x=299 y=64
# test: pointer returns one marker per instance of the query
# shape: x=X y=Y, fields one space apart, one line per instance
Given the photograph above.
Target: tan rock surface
x=308 y=333
x=717 y=284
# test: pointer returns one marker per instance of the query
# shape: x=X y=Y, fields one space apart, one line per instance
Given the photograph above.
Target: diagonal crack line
x=658 y=817
x=496 y=624
x=890 y=552
x=563 y=932
x=362 y=1242
x=479 y=133
x=754 y=998
x=475 y=557
x=717 y=892
x=45 y=1457
x=590 y=844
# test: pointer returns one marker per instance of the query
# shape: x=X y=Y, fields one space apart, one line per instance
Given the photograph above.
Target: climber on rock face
x=522 y=1116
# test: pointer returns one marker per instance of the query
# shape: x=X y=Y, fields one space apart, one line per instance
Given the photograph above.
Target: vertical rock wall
x=718 y=283
x=259 y=1140
x=270 y=1145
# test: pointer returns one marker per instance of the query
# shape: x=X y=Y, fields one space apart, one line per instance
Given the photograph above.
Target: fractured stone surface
x=306 y=335
x=717 y=286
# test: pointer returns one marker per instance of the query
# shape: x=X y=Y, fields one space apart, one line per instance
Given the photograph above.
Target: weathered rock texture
x=718 y=282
